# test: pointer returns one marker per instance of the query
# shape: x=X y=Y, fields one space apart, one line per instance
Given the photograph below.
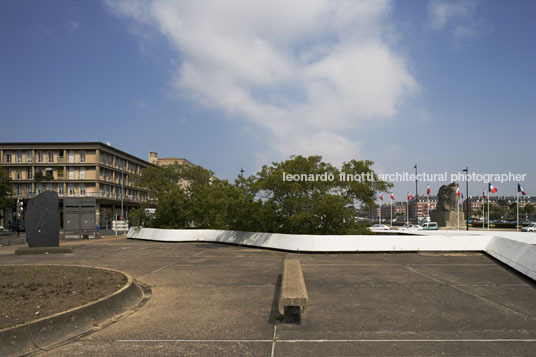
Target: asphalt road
x=211 y=299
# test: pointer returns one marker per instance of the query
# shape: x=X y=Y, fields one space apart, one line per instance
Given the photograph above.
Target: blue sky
x=240 y=84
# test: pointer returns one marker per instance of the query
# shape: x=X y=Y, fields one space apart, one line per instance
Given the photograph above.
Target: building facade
x=75 y=169
x=166 y=161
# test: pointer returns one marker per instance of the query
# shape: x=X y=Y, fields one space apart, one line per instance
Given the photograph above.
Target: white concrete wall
x=519 y=255
x=319 y=243
x=515 y=249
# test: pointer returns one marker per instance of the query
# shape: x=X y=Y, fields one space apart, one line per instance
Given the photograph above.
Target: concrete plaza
x=214 y=299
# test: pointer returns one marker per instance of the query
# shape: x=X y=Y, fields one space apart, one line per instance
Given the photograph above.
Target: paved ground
x=211 y=299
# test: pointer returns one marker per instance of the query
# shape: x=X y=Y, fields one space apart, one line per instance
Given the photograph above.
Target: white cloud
x=72 y=26
x=459 y=18
x=306 y=70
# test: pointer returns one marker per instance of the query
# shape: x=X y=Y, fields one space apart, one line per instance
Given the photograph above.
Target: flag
x=462 y=197
x=381 y=196
x=492 y=188
x=521 y=190
x=484 y=195
x=428 y=190
x=393 y=196
x=409 y=196
x=458 y=190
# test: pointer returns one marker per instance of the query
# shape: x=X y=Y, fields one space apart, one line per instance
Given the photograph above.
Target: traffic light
x=20 y=208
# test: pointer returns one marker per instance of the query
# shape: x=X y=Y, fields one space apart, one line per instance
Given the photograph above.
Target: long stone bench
x=293 y=298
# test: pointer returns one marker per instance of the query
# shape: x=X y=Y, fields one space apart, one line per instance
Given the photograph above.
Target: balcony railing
x=29 y=195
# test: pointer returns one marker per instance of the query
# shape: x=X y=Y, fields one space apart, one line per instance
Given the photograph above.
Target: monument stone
x=43 y=220
x=447 y=214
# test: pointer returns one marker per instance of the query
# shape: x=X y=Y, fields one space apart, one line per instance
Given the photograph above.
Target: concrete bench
x=293 y=297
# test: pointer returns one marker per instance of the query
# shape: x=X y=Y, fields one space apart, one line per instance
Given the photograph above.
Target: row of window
x=72 y=190
x=111 y=160
x=43 y=156
x=29 y=173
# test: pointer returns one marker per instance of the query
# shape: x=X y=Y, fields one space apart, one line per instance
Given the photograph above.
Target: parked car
x=529 y=228
x=1 y=228
x=411 y=227
x=379 y=227
x=16 y=226
x=430 y=226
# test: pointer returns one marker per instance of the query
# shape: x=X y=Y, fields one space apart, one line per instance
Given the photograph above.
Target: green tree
x=5 y=190
x=320 y=202
x=528 y=208
x=191 y=197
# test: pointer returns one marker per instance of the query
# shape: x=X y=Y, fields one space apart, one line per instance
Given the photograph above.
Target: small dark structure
x=79 y=217
x=43 y=220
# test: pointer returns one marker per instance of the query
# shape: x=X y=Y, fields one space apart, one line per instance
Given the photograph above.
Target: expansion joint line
x=170 y=264
x=274 y=339
x=455 y=287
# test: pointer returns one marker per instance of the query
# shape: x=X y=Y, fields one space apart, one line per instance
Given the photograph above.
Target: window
x=29 y=189
x=7 y=157
x=19 y=157
x=82 y=189
x=82 y=174
x=29 y=173
x=60 y=190
x=49 y=187
x=82 y=155
x=71 y=156
x=50 y=155
x=29 y=156
x=60 y=155
x=18 y=175
x=39 y=188
x=39 y=156
x=18 y=190
x=71 y=189
x=71 y=173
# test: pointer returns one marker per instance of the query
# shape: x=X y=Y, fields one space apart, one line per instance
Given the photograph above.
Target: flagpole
x=458 y=211
x=489 y=197
x=517 y=225
x=407 y=209
x=391 y=213
x=483 y=211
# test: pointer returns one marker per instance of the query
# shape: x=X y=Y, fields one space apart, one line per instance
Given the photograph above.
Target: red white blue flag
x=428 y=190
x=492 y=188
x=458 y=190
x=393 y=196
x=409 y=196
x=381 y=196
x=484 y=195
x=521 y=190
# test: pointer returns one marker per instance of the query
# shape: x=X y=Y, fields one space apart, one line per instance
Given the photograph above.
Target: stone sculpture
x=446 y=213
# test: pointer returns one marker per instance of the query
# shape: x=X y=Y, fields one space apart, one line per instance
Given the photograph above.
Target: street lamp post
x=466 y=170
x=416 y=197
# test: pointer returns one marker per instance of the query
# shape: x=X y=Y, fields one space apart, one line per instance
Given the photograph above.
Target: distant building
x=75 y=169
x=153 y=159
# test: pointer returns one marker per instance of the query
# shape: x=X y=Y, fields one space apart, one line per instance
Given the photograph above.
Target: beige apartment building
x=153 y=159
x=75 y=169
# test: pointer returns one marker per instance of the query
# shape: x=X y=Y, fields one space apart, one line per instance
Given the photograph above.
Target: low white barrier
x=318 y=243
x=517 y=250
x=519 y=255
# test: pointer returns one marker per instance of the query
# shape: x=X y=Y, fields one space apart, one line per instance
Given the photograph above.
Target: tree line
x=192 y=197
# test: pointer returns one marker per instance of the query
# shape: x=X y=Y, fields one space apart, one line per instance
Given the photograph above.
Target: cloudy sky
x=231 y=84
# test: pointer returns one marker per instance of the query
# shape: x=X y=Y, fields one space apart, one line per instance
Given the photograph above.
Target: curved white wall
x=518 y=250
x=318 y=243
